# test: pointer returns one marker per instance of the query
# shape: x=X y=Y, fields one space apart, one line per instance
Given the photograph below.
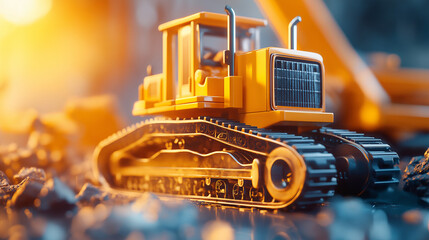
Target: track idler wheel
x=354 y=169
x=285 y=174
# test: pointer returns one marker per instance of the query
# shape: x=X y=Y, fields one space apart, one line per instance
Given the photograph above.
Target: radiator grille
x=297 y=83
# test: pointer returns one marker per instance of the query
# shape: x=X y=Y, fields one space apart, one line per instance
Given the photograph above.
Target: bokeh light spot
x=23 y=12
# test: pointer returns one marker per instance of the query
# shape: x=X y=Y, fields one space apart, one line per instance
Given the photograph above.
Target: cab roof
x=212 y=19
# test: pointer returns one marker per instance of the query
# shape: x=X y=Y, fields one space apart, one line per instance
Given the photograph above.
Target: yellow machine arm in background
x=358 y=98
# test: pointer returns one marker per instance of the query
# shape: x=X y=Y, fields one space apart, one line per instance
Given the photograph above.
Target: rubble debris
x=416 y=176
x=89 y=193
x=55 y=197
x=4 y=180
x=154 y=218
x=28 y=158
x=14 y=160
x=26 y=194
x=28 y=183
x=124 y=215
x=57 y=141
x=35 y=174
x=11 y=189
x=93 y=196
x=36 y=205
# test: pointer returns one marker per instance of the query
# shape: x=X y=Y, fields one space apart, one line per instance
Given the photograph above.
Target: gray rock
x=4 y=180
x=88 y=193
x=416 y=176
x=11 y=189
x=56 y=197
x=34 y=174
x=26 y=194
x=149 y=215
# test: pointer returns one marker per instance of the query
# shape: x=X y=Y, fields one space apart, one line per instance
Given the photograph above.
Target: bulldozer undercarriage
x=225 y=162
x=363 y=163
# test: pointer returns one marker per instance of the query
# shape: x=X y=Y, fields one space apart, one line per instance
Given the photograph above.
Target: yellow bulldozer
x=242 y=126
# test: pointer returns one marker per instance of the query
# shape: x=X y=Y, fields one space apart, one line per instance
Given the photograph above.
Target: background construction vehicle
x=246 y=151
x=387 y=101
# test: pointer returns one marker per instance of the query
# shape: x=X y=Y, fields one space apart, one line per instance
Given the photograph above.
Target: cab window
x=213 y=41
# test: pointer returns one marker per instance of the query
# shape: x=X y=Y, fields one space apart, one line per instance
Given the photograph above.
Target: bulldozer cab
x=193 y=49
x=206 y=51
x=212 y=66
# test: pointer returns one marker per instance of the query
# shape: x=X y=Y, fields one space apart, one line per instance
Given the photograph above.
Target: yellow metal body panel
x=156 y=110
x=199 y=99
x=139 y=108
x=254 y=68
x=153 y=86
x=212 y=19
x=164 y=103
x=212 y=86
x=199 y=105
x=184 y=50
x=287 y=118
x=167 y=65
x=233 y=92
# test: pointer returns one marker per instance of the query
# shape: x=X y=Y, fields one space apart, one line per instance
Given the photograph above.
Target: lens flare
x=23 y=12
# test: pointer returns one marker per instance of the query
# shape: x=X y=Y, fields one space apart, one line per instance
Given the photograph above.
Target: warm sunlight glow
x=23 y=12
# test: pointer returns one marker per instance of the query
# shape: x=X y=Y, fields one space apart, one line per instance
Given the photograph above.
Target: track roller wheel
x=285 y=174
x=354 y=169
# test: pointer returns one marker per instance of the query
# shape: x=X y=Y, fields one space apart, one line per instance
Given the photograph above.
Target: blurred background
x=386 y=26
x=53 y=51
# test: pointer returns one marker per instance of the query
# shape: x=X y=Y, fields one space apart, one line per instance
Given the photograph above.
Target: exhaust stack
x=230 y=53
x=293 y=32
